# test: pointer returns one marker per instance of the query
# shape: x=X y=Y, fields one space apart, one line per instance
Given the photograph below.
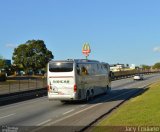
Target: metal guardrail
x=20 y=84
x=121 y=75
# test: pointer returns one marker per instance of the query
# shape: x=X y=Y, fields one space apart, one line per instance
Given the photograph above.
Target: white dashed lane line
x=44 y=122
x=83 y=105
x=2 y=117
x=68 y=112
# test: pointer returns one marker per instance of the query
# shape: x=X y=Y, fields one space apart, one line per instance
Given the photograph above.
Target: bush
x=2 y=77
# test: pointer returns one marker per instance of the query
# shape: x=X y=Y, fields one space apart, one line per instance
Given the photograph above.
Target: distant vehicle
x=138 y=77
x=131 y=73
x=77 y=79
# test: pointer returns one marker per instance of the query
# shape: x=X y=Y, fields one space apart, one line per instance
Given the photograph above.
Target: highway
x=41 y=112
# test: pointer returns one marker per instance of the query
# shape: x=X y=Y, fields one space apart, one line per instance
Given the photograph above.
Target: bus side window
x=78 y=70
x=84 y=71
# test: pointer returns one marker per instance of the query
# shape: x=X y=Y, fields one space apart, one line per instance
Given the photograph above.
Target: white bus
x=77 y=79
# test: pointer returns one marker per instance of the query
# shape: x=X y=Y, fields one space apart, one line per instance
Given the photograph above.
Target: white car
x=138 y=77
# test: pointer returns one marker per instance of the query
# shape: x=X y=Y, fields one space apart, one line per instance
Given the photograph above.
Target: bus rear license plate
x=60 y=93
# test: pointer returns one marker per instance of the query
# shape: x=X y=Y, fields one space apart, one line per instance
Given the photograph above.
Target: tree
x=146 y=67
x=32 y=55
x=2 y=62
x=156 y=65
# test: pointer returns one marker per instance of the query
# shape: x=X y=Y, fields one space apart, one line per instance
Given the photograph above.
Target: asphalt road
x=41 y=113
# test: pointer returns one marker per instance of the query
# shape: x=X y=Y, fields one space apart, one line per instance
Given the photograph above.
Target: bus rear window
x=60 y=67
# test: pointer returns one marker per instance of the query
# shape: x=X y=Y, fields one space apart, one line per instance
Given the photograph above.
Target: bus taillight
x=75 y=88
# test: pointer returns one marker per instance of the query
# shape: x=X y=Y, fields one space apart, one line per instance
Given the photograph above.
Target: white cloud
x=156 y=49
x=11 y=46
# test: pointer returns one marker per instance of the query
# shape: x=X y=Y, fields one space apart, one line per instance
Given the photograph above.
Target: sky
x=118 y=31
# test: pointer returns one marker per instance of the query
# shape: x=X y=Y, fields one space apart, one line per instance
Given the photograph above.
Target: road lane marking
x=44 y=122
x=54 y=122
x=7 y=116
x=83 y=105
x=68 y=112
x=27 y=102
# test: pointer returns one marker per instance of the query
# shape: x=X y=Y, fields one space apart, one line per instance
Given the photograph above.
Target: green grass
x=143 y=110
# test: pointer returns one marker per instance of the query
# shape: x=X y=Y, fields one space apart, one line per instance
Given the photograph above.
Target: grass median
x=143 y=110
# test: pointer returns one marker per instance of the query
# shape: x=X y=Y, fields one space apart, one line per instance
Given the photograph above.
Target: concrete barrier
x=22 y=96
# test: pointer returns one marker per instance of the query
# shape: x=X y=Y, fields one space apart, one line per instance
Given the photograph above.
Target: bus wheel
x=92 y=94
x=87 y=96
x=108 y=89
x=64 y=101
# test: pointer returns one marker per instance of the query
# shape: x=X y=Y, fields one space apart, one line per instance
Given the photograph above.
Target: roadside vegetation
x=32 y=55
x=29 y=58
x=143 y=110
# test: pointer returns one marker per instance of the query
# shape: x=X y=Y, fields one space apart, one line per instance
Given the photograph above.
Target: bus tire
x=92 y=94
x=108 y=89
x=87 y=96
x=64 y=101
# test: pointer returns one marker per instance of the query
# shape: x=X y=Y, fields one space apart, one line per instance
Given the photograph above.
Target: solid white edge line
x=54 y=122
x=7 y=116
x=83 y=105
